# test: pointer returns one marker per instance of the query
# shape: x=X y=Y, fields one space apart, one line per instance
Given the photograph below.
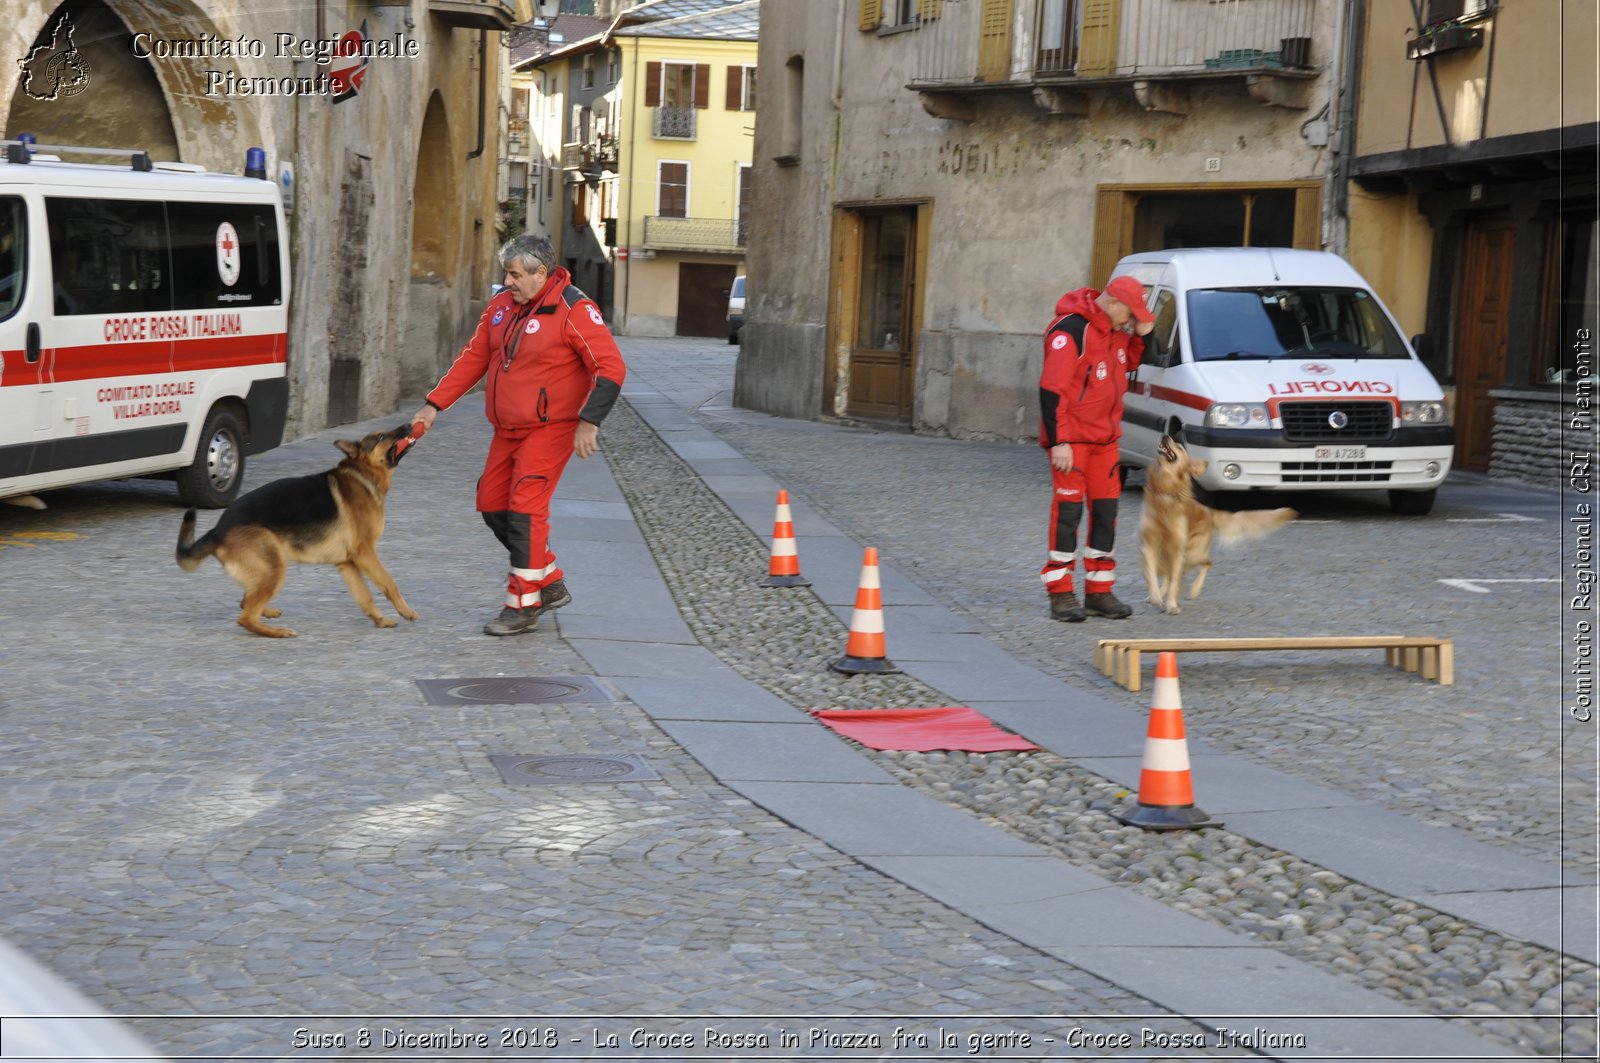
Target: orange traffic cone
x=784 y=568
x=1166 y=793
x=864 y=650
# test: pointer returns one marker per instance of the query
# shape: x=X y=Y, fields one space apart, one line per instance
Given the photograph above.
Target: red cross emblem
x=228 y=254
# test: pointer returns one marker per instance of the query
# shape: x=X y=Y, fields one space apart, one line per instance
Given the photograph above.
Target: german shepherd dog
x=1177 y=530
x=328 y=518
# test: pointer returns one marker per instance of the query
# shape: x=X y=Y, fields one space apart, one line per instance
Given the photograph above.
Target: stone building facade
x=931 y=175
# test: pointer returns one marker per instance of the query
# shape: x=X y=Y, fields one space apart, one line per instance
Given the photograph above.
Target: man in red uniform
x=1089 y=350
x=554 y=372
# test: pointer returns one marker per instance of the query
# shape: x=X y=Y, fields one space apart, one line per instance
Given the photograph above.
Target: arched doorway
x=434 y=254
x=85 y=86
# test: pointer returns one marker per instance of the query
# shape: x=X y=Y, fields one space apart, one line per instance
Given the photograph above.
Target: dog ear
x=350 y=449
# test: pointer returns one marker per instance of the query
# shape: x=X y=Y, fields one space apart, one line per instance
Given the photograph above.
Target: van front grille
x=1331 y=472
x=1311 y=422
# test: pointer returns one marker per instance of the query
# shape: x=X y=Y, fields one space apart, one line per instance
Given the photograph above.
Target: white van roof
x=1244 y=267
x=99 y=177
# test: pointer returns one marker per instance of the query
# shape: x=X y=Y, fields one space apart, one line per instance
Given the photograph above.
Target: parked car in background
x=735 y=309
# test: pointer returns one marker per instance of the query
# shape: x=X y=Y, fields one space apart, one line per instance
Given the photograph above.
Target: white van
x=143 y=321
x=1285 y=372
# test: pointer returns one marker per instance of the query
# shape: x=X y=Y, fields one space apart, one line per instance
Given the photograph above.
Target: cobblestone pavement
x=1419 y=956
x=966 y=521
x=200 y=824
x=207 y=824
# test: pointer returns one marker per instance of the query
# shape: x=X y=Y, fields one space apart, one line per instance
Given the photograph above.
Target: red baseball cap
x=1130 y=292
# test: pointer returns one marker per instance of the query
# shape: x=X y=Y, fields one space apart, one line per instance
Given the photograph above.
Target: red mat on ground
x=921 y=730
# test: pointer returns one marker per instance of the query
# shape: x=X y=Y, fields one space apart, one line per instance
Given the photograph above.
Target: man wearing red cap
x=1089 y=350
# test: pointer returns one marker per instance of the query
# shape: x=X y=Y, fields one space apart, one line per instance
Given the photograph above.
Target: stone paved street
x=202 y=824
x=967 y=521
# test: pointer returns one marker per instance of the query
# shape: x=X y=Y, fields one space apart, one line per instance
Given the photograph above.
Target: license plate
x=1341 y=453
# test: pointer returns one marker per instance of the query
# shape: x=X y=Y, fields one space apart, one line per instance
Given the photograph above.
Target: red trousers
x=1096 y=481
x=519 y=477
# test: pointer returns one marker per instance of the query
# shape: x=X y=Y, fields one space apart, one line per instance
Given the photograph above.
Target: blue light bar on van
x=255 y=163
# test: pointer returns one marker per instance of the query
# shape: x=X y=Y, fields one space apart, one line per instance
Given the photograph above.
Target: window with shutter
x=681 y=92
x=672 y=190
x=741 y=88
x=677 y=84
x=871 y=15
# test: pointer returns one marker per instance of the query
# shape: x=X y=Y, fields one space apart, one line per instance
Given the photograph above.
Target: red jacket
x=1085 y=374
x=550 y=359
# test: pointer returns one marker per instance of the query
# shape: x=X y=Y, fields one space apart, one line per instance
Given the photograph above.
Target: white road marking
x=1472 y=584
x=1498 y=518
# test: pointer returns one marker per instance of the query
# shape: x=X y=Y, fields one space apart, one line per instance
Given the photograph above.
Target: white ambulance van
x=143 y=321
x=1285 y=372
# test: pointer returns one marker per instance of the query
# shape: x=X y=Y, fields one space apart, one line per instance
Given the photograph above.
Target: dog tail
x=191 y=553
x=1251 y=524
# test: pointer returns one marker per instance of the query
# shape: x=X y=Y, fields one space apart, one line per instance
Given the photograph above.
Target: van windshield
x=1236 y=324
x=13 y=254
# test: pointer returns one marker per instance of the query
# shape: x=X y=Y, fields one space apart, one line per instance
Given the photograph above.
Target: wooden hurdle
x=1433 y=658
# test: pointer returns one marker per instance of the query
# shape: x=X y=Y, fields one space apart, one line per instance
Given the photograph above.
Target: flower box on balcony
x=1447 y=38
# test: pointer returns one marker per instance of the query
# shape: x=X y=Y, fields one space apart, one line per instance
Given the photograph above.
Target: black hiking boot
x=1066 y=607
x=553 y=597
x=513 y=621
x=1106 y=605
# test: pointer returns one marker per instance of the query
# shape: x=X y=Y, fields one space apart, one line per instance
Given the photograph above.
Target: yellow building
x=687 y=121
x=653 y=122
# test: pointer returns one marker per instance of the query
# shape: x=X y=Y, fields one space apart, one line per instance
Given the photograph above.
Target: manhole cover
x=550 y=770
x=514 y=690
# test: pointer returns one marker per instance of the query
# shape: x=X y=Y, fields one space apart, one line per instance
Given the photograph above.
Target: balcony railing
x=1140 y=39
x=673 y=123
x=693 y=234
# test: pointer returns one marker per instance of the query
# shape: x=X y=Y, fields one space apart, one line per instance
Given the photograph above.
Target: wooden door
x=703 y=298
x=1482 y=333
x=880 y=385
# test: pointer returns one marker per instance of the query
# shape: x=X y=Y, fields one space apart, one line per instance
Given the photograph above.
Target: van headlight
x=1422 y=413
x=1237 y=415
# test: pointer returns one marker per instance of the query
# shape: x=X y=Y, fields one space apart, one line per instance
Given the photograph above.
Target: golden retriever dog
x=327 y=518
x=1176 y=530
